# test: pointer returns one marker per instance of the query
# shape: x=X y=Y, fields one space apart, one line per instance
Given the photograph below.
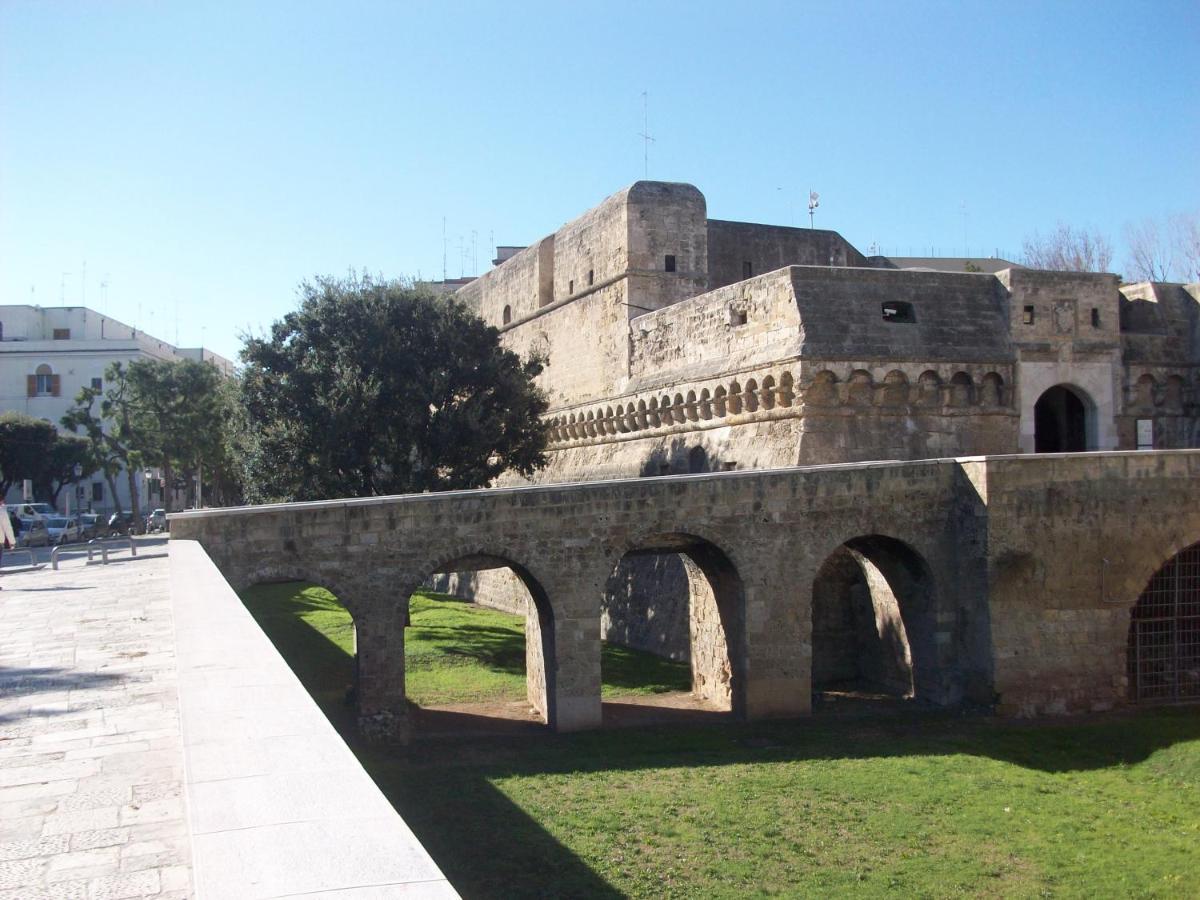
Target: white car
x=63 y=529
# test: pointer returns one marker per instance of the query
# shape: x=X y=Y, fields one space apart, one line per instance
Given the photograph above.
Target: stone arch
x=895 y=388
x=719 y=405
x=929 y=388
x=901 y=638
x=610 y=425
x=506 y=316
x=823 y=389
x=621 y=422
x=705 y=407
x=1064 y=420
x=697 y=460
x=962 y=390
x=652 y=413
x=692 y=413
x=769 y=394
x=589 y=424
x=679 y=410
x=750 y=398
x=991 y=390
x=734 y=399
x=369 y=659
x=787 y=393
x=643 y=415
x=860 y=388
x=1163 y=647
x=716 y=611
x=1145 y=392
x=541 y=658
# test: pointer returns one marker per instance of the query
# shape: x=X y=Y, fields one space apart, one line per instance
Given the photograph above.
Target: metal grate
x=1164 y=633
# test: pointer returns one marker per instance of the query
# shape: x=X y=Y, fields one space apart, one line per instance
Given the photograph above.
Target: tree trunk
x=112 y=488
x=168 y=485
x=133 y=501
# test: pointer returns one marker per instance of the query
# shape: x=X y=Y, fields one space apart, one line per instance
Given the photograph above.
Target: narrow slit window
x=1027 y=316
x=507 y=314
x=571 y=287
x=591 y=277
x=1095 y=318
x=899 y=311
x=747 y=269
x=670 y=262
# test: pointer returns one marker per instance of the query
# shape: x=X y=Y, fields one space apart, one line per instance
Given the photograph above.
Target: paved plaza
x=91 y=760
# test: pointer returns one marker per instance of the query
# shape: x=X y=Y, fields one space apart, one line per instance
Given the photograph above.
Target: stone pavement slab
x=91 y=757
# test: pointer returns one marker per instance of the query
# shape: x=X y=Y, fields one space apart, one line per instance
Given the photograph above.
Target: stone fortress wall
x=675 y=343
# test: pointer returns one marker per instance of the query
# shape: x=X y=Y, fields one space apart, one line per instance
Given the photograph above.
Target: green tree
x=176 y=416
x=25 y=445
x=114 y=446
x=372 y=387
x=58 y=470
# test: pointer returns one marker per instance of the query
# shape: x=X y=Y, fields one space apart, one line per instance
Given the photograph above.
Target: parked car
x=37 y=510
x=89 y=526
x=63 y=529
x=156 y=521
x=33 y=533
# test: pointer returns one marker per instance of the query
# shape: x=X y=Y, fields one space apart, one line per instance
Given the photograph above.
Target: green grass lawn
x=454 y=652
x=929 y=806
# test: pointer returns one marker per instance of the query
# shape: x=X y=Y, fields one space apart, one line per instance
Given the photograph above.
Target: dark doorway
x=1164 y=633
x=1060 y=422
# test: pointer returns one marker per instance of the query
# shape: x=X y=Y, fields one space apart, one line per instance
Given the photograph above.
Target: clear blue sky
x=204 y=158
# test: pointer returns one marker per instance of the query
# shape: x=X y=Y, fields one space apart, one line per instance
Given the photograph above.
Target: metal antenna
x=83 y=285
x=645 y=135
x=62 y=290
x=814 y=200
x=443 y=249
x=104 y=294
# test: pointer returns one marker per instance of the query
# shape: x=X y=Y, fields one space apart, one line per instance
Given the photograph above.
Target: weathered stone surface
x=998 y=566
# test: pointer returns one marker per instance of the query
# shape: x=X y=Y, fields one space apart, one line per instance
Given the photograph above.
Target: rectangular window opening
x=570 y=287
x=591 y=277
x=1027 y=316
x=97 y=491
x=62 y=334
x=670 y=263
x=899 y=311
x=728 y=467
x=97 y=384
x=1095 y=318
x=747 y=269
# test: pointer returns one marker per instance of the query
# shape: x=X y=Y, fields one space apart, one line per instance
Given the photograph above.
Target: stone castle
x=675 y=343
x=864 y=494
x=678 y=343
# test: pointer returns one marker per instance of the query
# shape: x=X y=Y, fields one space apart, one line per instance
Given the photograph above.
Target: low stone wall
x=277 y=803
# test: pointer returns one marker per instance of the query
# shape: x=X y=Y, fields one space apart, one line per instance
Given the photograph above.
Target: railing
x=25 y=550
x=93 y=547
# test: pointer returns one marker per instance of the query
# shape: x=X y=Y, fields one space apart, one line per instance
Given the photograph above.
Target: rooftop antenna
x=814 y=200
x=645 y=135
x=104 y=294
x=474 y=252
x=443 y=248
x=83 y=285
x=62 y=290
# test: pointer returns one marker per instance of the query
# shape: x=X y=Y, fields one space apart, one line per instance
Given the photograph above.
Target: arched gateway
x=1062 y=421
x=1164 y=633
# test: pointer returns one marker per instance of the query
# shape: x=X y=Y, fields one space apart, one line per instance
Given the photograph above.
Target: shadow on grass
x=446 y=790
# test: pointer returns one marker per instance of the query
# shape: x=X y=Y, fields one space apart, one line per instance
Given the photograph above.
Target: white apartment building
x=47 y=354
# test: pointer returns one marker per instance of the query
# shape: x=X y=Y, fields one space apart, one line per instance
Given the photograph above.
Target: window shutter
x=55 y=385
x=30 y=385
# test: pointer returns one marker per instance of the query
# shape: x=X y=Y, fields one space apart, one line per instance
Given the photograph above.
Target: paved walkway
x=90 y=751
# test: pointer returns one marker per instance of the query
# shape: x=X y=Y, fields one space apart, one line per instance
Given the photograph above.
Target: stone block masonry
x=1014 y=576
